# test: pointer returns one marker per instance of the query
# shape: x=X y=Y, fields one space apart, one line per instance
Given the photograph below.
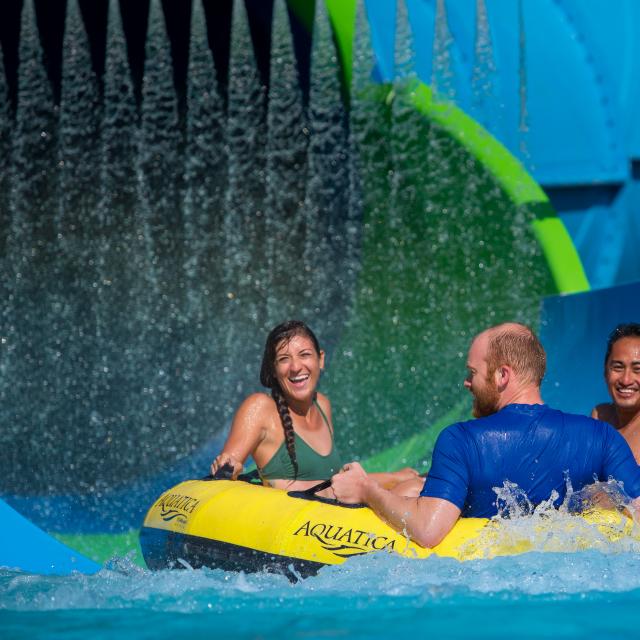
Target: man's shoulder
x=451 y=434
x=460 y=433
x=515 y=414
x=591 y=427
x=574 y=417
x=473 y=425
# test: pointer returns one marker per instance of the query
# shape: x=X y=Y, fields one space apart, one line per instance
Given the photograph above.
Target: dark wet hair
x=283 y=332
x=625 y=330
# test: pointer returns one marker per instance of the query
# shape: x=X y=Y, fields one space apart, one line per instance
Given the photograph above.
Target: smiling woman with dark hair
x=289 y=433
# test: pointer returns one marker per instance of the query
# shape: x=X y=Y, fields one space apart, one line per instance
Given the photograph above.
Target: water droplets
x=186 y=239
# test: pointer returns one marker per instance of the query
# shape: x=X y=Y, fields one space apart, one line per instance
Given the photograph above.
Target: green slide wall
x=457 y=236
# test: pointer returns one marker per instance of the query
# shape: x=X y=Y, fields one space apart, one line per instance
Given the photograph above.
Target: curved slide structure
x=455 y=233
x=28 y=548
x=500 y=231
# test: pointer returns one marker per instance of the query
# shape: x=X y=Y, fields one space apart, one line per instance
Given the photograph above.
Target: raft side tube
x=170 y=550
x=236 y=526
x=274 y=529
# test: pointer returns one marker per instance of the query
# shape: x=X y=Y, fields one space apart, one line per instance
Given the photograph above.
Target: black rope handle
x=311 y=494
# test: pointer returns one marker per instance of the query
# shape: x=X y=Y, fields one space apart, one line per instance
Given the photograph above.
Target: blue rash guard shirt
x=531 y=445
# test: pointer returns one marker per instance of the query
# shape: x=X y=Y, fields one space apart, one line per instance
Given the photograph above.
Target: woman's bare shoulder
x=251 y=426
x=257 y=402
x=255 y=413
x=324 y=402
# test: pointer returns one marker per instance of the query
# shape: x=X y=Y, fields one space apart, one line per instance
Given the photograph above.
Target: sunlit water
x=564 y=595
x=132 y=395
x=557 y=590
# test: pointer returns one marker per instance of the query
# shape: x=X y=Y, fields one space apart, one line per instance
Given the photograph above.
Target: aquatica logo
x=174 y=505
x=343 y=542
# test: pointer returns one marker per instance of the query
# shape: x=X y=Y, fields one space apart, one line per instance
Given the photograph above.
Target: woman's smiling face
x=297 y=368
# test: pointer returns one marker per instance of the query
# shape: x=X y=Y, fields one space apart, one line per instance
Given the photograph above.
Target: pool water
x=582 y=580
x=588 y=594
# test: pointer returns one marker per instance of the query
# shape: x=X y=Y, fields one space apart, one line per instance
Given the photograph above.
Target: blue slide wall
x=574 y=329
x=24 y=546
x=562 y=97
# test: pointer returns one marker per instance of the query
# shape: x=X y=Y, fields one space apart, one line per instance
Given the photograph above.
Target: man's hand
x=425 y=520
x=351 y=484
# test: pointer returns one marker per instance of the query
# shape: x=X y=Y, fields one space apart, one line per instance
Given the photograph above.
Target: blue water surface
x=587 y=594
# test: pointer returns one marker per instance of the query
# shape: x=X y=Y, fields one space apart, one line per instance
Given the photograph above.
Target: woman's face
x=297 y=368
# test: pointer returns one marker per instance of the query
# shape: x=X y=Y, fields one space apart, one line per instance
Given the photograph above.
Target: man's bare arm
x=425 y=520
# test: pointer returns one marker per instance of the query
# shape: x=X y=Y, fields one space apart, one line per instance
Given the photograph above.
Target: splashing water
x=570 y=590
x=564 y=595
x=138 y=289
x=485 y=96
x=587 y=519
x=442 y=75
x=136 y=313
x=134 y=323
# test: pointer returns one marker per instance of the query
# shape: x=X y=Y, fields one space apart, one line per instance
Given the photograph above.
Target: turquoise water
x=588 y=594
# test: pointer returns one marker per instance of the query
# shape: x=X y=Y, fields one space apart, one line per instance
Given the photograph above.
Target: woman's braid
x=287 y=425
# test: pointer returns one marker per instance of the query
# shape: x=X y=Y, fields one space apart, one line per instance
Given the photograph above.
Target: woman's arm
x=248 y=430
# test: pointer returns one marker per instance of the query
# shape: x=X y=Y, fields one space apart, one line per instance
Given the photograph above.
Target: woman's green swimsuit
x=311 y=465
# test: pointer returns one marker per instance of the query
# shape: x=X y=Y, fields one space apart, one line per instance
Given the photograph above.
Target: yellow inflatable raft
x=242 y=526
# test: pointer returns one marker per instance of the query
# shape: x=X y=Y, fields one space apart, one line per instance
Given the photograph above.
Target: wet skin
x=622 y=376
x=479 y=381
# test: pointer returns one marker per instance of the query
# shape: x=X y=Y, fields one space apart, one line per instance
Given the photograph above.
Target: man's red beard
x=486 y=400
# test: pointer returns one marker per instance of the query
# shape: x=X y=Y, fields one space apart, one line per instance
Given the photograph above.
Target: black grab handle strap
x=225 y=472
x=311 y=494
x=311 y=491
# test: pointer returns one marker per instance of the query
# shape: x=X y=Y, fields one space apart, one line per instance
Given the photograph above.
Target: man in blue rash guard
x=515 y=438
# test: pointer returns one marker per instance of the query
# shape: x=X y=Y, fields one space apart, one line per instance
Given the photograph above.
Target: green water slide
x=456 y=236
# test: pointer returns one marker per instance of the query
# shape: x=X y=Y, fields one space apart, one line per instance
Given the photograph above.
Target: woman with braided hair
x=289 y=433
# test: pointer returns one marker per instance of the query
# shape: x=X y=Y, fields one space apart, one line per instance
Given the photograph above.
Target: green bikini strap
x=324 y=417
